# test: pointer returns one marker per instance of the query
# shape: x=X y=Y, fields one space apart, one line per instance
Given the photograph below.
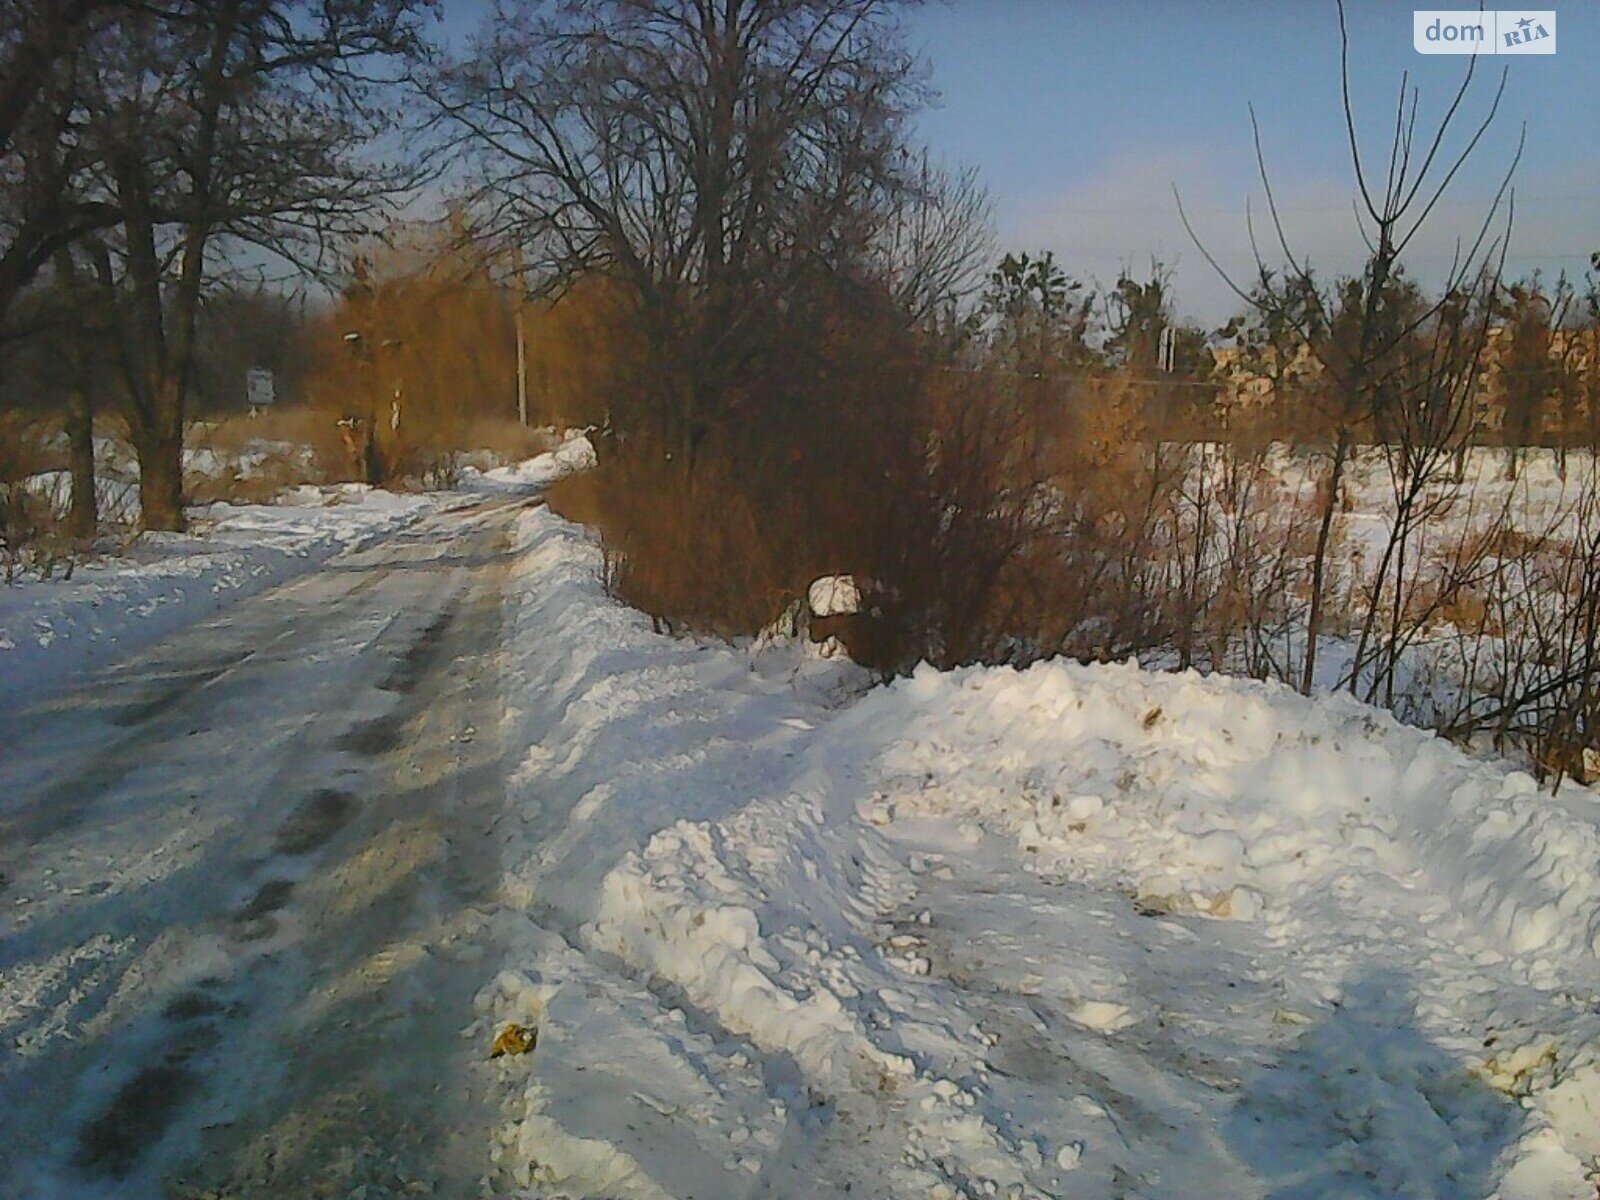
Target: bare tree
x=1432 y=379
x=41 y=155
x=713 y=157
x=80 y=326
x=1367 y=318
x=936 y=239
x=35 y=35
x=225 y=126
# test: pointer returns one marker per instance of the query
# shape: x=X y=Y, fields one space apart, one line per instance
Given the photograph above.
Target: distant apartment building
x=1264 y=377
x=1570 y=394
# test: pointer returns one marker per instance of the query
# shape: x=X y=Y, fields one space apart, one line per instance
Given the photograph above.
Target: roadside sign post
x=259 y=390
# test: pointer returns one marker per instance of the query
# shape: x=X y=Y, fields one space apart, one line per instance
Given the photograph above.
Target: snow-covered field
x=1070 y=931
x=1082 y=931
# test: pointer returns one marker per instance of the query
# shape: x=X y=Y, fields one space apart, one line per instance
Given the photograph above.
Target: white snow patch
x=573 y=453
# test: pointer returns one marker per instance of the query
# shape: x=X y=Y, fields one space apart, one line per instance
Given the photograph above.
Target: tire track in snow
x=210 y=951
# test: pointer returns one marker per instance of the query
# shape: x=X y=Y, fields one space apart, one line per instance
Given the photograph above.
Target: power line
x=1219 y=210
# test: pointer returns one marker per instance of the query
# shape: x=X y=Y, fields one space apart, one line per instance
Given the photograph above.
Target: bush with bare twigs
x=33 y=540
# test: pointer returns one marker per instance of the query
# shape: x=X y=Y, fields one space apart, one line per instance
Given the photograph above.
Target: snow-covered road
x=241 y=887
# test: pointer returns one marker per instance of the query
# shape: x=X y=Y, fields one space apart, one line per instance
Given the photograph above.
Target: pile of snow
x=249 y=462
x=1192 y=790
x=116 y=499
x=574 y=453
x=117 y=473
x=1073 y=930
x=1437 y=910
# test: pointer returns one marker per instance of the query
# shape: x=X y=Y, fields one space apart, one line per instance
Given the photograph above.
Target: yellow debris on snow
x=513 y=1039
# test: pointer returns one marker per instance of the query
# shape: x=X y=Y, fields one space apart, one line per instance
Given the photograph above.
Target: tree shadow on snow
x=1367 y=1106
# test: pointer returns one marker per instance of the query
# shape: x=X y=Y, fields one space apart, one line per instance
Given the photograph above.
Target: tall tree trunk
x=83 y=516
x=160 y=449
x=1319 y=558
x=163 y=313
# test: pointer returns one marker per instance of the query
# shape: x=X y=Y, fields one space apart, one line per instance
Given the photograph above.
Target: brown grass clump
x=32 y=539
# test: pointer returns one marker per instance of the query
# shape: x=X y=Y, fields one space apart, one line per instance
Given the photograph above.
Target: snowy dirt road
x=271 y=888
x=240 y=873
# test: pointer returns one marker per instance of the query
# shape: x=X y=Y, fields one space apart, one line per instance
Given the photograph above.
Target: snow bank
x=1199 y=789
x=643 y=848
x=1368 y=848
x=117 y=500
x=574 y=453
x=636 y=747
x=1072 y=930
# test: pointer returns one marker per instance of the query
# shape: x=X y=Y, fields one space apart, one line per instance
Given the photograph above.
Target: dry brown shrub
x=584 y=354
x=502 y=438
x=813 y=466
x=424 y=339
x=1507 y=542
x=31 y=536
x=690 y=552
x=1468 y=609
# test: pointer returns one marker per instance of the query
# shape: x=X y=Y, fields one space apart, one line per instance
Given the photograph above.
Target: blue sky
x=1081 y=115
